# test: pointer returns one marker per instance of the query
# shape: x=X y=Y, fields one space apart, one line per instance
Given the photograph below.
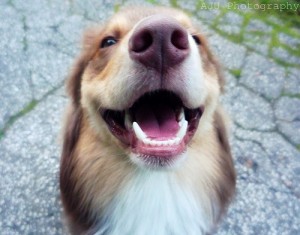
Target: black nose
x=159 y=41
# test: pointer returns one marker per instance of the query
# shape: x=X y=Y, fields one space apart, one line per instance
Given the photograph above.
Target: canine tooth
x=182 y=131
x=128 y=122
x=139 y=132
x=182 y=121
x=181 y=115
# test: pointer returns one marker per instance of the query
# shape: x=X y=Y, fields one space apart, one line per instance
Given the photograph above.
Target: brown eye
x=197 y=39
x=107 y=42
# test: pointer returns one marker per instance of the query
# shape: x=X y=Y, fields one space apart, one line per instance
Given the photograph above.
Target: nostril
x=179 y=39
x=142 y=41
x=159 y=42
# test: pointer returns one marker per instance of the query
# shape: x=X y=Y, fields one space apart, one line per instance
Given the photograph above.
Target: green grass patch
x=15 y=117
x=293 y=50
x=236 y=72
x=287 y=21
x=236 y=38
x=290 y=95
x=1 y=134
x=174 y=3
x=117 y=7
x=274 y=41
x=281 y=22
x=152 y=1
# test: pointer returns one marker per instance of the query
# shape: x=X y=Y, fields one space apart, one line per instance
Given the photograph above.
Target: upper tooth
x=182 y=131
x=181 y=122
x=138 y=131
x=181 y=115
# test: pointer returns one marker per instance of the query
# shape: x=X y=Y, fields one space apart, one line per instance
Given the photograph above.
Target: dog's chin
x=154 y=162
x=156 y=129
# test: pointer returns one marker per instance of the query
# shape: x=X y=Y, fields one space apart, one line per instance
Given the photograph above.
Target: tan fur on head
x=100 y=173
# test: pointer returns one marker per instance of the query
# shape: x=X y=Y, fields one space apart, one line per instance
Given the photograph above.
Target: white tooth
x=128 y=122
x=176 y=140
x=139 y=132
x=153 y=143
x=158 y=143
x=181 y=114
x=166 y=142
x=147 y=141
x=182 y=131
x=182 y=121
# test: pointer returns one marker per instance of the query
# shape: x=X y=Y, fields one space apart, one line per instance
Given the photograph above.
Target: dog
x=145 y=145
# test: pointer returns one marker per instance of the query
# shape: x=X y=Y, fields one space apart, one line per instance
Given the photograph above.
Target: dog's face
x=148 y=81
x=145 y=95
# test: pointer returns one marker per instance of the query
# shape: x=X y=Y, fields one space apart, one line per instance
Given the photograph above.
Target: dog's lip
x=163 y=143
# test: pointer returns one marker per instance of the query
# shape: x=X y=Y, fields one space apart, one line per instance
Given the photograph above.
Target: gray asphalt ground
x=38 y=43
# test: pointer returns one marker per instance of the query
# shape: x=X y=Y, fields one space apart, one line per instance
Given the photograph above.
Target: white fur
x=148 y=163
x=192 y=88
x=154 y=203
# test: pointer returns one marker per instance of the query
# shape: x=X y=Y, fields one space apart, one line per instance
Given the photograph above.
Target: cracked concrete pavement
x=38 y=44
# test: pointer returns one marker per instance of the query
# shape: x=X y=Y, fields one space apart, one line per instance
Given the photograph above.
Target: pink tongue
x=157 y=122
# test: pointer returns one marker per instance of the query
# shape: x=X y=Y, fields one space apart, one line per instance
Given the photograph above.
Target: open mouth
x=157 y=125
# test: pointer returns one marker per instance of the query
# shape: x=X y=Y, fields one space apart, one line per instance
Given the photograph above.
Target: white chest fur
x=155 y=203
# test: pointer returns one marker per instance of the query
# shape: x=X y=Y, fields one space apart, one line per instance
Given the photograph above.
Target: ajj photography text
x=251 y=6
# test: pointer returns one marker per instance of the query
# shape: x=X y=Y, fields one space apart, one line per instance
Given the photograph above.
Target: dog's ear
x=69 y=194
x=74 y=80
x=72 y=128
x=90 y=45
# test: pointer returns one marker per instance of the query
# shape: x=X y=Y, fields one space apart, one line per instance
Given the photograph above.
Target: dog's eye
x=107 y=42
x=197 y=39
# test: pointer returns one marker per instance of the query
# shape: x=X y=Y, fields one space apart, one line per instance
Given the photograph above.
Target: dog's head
x=148 y=81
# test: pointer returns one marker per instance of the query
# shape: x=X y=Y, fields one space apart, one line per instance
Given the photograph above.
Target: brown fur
x=88 y=149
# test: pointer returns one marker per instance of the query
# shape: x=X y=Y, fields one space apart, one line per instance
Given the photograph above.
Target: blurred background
x=258 y=44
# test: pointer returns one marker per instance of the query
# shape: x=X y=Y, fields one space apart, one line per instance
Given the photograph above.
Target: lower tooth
x=161 y=143
x=147 y=142
x=152 y=143
x=166 y=143
x=177 y=140
x=183 y=129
